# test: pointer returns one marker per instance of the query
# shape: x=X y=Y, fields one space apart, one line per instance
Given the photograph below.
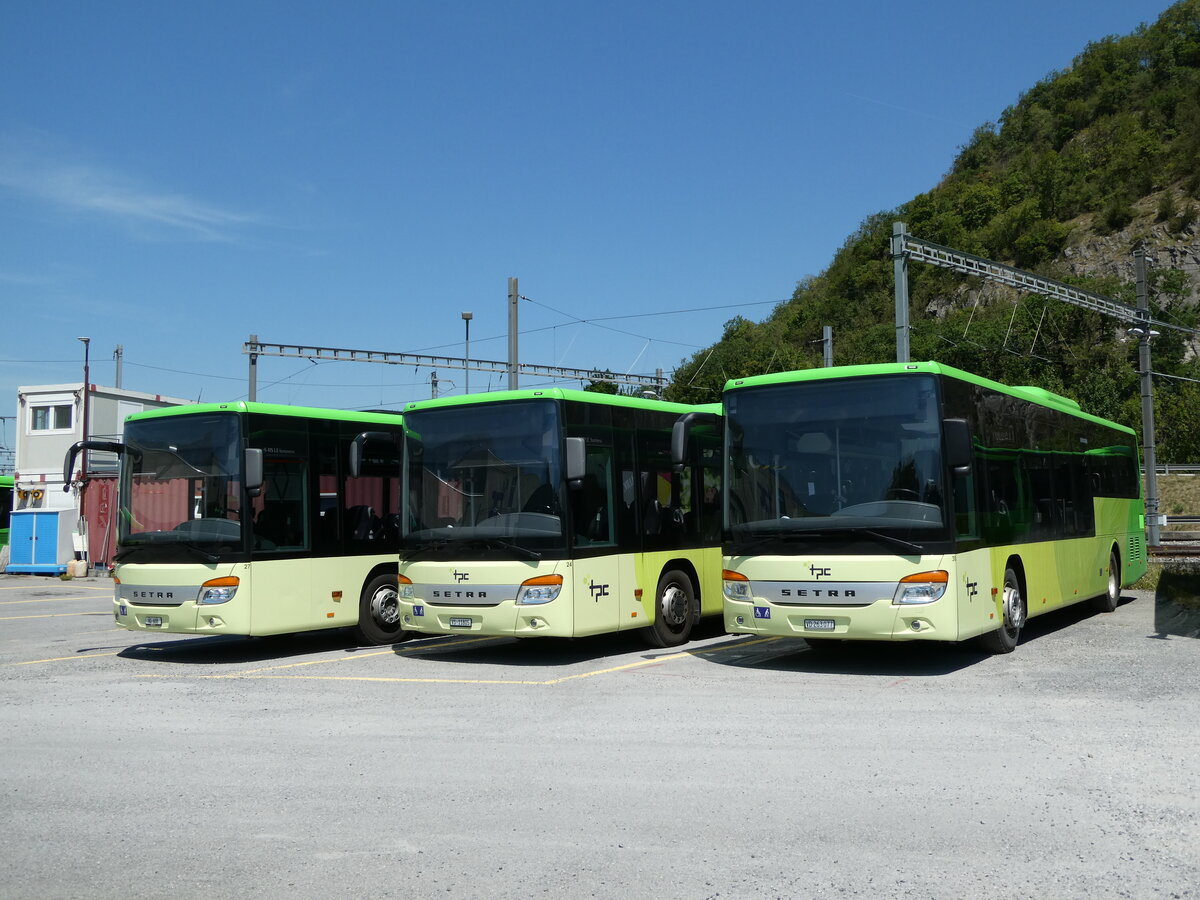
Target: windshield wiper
x=427 y=546
x=515 y=549
x=780 y=537
x=203 y=554
x=826 y=533
x=450 y=545
x=887 y=539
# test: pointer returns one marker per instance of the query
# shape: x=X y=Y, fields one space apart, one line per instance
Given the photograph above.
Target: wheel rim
x=1114 y=587
x=385 y=606
x=673 y=606
x=1014 y=608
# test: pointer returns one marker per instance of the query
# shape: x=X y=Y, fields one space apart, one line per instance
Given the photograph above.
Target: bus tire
x=1108 y=601
x=1004 y=638
x=673 y=602
x=379 y=612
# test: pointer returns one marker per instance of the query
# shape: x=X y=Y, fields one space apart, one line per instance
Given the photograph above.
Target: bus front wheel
x=673 y=604
x=379 y=612
x=1004 y=638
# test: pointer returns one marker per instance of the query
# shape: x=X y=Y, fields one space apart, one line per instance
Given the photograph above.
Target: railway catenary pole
x=1144 y=333
x=1137 y=319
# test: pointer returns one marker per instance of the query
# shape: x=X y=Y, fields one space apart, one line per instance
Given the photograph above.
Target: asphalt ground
x=154 y=765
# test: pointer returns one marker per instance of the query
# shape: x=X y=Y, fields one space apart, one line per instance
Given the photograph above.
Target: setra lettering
x=814 y=592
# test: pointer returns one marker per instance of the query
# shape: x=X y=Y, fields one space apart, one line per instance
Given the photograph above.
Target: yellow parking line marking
x=53 y=616
x=42 y=600
x=30 y=662
x=74 y=587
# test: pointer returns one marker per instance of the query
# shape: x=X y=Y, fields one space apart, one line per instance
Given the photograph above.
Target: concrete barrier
x=1177 y=600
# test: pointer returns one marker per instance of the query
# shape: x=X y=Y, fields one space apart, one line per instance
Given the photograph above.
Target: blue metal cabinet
x=40 y=540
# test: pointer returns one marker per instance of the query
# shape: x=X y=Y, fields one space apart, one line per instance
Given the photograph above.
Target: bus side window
x=371 y=501
x=282 y=523
x=593 y=510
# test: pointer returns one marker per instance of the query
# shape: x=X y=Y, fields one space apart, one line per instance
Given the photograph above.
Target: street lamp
x=467 y=317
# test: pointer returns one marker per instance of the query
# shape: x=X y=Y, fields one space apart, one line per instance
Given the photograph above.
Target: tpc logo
x=598 y=590
x=460 y=577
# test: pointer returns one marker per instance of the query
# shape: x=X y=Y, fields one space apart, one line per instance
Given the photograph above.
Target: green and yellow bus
x=257 y=519
x=556 y=512
x=6 y=505
x=914 y=501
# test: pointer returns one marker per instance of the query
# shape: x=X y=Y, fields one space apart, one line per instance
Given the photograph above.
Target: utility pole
x=827 y=345
x=87 y=378
x=900 y=268
x=252 y=388
x=433 y=383
x=467 y=316
x=119 y=356
x=1144 y=334
x=513 y=297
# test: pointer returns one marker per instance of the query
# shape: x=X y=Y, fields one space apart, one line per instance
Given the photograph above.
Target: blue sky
x=177 y=176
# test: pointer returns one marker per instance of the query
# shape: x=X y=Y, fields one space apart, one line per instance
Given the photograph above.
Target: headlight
x=406 y=588
x=218 y=590
x=541 y=589
x=736 y=586
x=924 y=587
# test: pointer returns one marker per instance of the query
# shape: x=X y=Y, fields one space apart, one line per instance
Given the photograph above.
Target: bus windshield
x=854 y=457
x=486 y=477
x=181 y=495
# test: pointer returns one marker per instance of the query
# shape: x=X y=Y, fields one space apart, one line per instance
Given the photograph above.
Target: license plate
x=152 y=620
x=460 y=621
x=819 y=624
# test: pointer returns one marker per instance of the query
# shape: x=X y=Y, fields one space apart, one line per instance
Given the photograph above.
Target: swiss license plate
x=460 y=621
x=153 y=620
x=819 y=624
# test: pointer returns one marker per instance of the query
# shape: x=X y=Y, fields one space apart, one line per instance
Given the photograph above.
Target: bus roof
x=561 y=394
x=270 y=409
x=1040 y=396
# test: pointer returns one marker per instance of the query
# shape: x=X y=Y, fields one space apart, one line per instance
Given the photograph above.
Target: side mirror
x=74 y=450
x=253 y=475
x=575 y=450
x=679 y=434
x=959 y=450
x=358 y=449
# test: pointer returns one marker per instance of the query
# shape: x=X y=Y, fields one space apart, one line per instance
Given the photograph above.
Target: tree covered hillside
x=1085 y=165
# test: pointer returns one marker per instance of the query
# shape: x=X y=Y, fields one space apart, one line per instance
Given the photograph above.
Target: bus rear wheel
x=1004 y=638
x=1111 y=598
x=379 y=612
x=673 y=604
